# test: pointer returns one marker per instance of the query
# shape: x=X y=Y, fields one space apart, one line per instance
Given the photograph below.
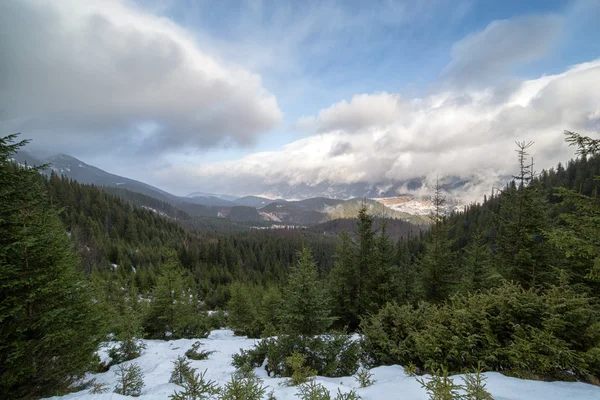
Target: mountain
x=73 y=168
x=262 y=210
x=63 y=164
x=225 y=197
x=255 y=201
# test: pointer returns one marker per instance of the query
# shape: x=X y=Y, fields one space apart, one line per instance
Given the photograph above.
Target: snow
x=391 y=381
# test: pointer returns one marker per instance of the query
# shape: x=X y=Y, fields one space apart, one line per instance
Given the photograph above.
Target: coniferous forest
x=511 y=284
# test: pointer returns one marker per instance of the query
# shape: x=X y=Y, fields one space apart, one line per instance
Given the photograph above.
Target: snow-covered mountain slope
x=391 y=381
x=417 y=205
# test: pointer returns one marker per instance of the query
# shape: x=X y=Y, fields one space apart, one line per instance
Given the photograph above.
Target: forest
x=510 y=284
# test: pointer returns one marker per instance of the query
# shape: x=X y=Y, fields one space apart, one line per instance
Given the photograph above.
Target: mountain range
x=270 y=209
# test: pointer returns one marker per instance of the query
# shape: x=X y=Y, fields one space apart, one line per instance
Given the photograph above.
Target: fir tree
x=305 y=309
x=48 y=326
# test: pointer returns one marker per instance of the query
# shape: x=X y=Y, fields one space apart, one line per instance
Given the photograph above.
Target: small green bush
x=441 y=387
x=351 y=395
x=364 y=378
x=97 y=366
x=410 y=369
x=217 y=319
x=196 y=387
x=181 y=369
x=332 y=355
x=248 y=388
x=474 y=387
x=130 y=380
x=301 y=373
x=313 y=391
x=196 y=354
x=316 y=391
x=126 y=350
x=534 y=334
x=98 y=388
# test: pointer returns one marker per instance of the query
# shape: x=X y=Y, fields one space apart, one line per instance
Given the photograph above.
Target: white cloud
x=363 y=112
x=466 y=134
x=490 y=54
x=86 y=75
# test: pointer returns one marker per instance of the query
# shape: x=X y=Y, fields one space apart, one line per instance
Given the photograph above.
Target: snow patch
x=391 y=381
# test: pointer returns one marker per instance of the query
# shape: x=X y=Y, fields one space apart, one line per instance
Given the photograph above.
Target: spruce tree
x=365 y=260
x=523 y=251
x=306 y=306
x=477 y=265
x=166 y=306
x=343 y=283
x=383 y=283
x=408 y=284
x=48 y=326
x=577 y=236
x=242 y=315
x=439 y=276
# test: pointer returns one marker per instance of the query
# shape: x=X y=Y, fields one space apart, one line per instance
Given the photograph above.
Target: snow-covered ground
x=391 y=382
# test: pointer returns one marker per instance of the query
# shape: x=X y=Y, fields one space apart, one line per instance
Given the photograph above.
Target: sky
x=239 y=97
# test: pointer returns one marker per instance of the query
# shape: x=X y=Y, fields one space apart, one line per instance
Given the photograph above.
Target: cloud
x=363 y=112
x=466 y=134
x=487 y=56
x=92 y=75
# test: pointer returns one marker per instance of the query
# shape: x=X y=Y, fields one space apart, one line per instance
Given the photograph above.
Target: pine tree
x=242 y=314
x=523 y=251
x=343 y=283
x=383 y=283
x=167 y=297
x=407 y=274
x=577 y=237
x=439 y=276
x=306 y=308
x=269 y=312
x=48 y=326
x=477 y=265
x=365 y=260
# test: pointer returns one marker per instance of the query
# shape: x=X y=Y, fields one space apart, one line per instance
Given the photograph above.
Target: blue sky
x=243 y=96
x=368 y=47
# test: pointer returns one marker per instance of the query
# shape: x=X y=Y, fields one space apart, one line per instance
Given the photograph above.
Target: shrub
x=332 y=355
x=441 y=387
x=126 y=350
x=301 y=373
x=239 y=388
x=313 y=391
x=216 y=319
x=548 y=334
x=351 y=395
x=97 y=366
x=474 y=387
x=410 y=369
x=181 y=369
x=130 y=380
x=196 y=387
x=316 y=391
x=98 y=388
x=196 y=354
x=193 y=326
x=364 y=378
